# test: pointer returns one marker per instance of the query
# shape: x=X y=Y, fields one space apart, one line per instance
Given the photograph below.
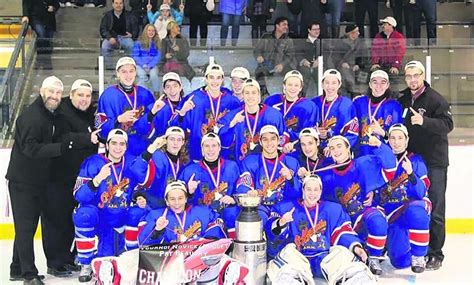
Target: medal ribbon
x=269 y=178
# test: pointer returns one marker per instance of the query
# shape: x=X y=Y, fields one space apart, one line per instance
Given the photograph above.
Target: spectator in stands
x=146 y=54
x=78 y=123
x=311 y=10
x=388 y=48
x=176 y=16
x=275 y=53
x=231 y=11
x=118 y=29
x=28 y=178
x=162 y=20
x=429 y=121
x=199 y=13
x=41 y=15
x=307 y=56
x=350 y=56
x=140 y=10
x=259 y=11
x=428 y=9
x=333 y=15
x=175 y=53
x=371 y=7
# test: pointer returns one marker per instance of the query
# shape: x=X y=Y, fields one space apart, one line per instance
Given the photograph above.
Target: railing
x=13 y=80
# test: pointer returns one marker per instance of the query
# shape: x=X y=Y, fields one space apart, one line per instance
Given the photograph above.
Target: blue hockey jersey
x=245 y=134
x=403 y=188
x=154 y=173
x=365 y=174
x=314 y=230
x=298 y=115
x=338 y=117
x=225 y=175
x=204 y=117
x=113 y=195
x=196 y=221
x=387 y=113
x=263 y=175
x=114 y=102
x=162 y=119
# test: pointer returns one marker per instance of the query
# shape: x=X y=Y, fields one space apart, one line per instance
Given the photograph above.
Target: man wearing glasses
x=427 y=116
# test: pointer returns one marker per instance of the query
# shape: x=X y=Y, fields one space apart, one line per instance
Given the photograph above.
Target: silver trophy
x=249 y=246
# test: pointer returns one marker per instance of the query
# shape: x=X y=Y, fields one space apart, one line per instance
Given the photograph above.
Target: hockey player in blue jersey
x=337 y=114
x=103 y=190
x=180 y=221
x=126 y=106
x=241 y=127
x=406 y=205
x=270 y=174
x=156 y=168
x=238 y=76
x=298 y=112
x=376 y=112
x=210 y=103
x=352 y=182
x=211 y=182
x=310 y=159
x=313 y=225
x=173 y=93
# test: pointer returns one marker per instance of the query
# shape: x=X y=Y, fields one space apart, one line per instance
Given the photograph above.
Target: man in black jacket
x=77 y=125
x=428 y=119
x=28 y=175
x=41 y=15
x=118 y=29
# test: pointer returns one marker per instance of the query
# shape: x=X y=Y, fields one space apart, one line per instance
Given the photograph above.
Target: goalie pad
x=290 y=267
x=341 y=266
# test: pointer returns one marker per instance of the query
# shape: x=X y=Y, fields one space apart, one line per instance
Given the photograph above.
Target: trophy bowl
x=245 y=200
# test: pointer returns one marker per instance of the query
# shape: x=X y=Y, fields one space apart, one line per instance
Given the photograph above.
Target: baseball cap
x=312 y=132
x=164 y=7
x=268 y=129
x=81 y=83
x=313 y=177
x=52 y=82
x=210 y=136
x=125 y=60
x=346 y=141
x=117 y=133
x=251 y=82
x=415 y=64
x=171 y=76
x=390 y=20
x=174 y=131
x=379 y=73
x=176 y=185
x=332 y=72
x=293 y=73
x=214 y=68
x=351 y=28
x=399 y=127
x=240 y=72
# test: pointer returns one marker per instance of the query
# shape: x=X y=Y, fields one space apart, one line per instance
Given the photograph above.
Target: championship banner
x=179 y=263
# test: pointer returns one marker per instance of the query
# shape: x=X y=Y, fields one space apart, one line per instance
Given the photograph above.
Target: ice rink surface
x=458 y=266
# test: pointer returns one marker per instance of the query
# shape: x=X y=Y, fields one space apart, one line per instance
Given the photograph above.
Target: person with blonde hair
x=146 y=53
x=175 y=52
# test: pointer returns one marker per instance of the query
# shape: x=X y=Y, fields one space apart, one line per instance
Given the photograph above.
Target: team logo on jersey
x=211 y=197
x=115 y=195
x=311 y=235
x=212 y=125
x=272 y=192
x=395 y=191
x=350 y=199
x=192 y=231
x=329 y=123
x=99 y=120
x=292 y=123
x=249 y=144
x=79 y=182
